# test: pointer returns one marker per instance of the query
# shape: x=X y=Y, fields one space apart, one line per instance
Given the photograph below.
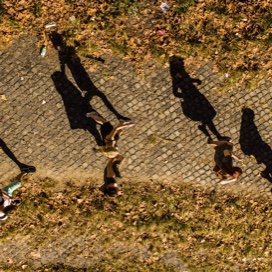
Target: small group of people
x=110 y=135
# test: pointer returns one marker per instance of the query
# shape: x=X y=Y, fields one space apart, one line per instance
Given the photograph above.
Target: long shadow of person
x=23 y=167
x=69 y=58
x=76 y=105
x=252 y=144
x=194 y=104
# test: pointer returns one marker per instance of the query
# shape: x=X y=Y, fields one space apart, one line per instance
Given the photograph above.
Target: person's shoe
x=28 y=169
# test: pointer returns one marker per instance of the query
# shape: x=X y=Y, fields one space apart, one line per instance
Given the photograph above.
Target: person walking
x=7 y=201
x=111 y=172
x=110 y=135
x=224 y=161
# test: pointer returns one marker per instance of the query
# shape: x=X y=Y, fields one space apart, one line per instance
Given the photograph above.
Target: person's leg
x=109 y=169
x=110 y=186
x=115 y=165
x=14 y=185
x=118 y=129
x=216 y=168
x=96 y=117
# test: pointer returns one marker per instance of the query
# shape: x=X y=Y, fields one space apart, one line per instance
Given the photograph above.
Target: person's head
x=236 y=172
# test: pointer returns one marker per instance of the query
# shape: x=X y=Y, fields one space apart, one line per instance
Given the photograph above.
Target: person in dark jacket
x=224 y=161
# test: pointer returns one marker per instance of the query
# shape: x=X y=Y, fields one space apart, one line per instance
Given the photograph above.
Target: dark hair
x=111 y=191
x=236 y=170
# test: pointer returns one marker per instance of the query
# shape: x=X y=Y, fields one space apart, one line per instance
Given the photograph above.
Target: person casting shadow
x=194 y=104
x=23 y=167
x=252 y=144
x=76 y=105
x=111 y=172
x=223 y=158
x=69 y=58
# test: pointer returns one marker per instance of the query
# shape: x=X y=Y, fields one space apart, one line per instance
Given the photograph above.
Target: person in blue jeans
x=7 y=201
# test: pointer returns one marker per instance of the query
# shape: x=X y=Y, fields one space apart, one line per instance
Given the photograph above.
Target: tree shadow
x=76 y=105
x=22 y=166
x=69 y=58
x=252 y=144
x=194 y=104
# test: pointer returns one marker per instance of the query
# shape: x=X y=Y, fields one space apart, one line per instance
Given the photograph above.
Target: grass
x=140 y=31
x=174 y=224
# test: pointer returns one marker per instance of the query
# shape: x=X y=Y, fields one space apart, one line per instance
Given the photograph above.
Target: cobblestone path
x=36 y=121
x=164 y=144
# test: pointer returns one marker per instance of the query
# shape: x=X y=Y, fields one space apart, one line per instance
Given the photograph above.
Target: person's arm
x=115 y=130
x=235 y=157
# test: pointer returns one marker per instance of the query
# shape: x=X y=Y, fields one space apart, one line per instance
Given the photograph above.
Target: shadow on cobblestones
x=76 y=105
x=23 y=167
x=252 y=144
x=68 y=56
x=195 y=105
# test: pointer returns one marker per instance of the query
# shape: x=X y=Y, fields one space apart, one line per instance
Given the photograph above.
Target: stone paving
x=39 y=129
x=165 y=144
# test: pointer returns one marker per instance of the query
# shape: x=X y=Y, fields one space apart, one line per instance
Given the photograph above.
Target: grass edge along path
x=153 y=227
